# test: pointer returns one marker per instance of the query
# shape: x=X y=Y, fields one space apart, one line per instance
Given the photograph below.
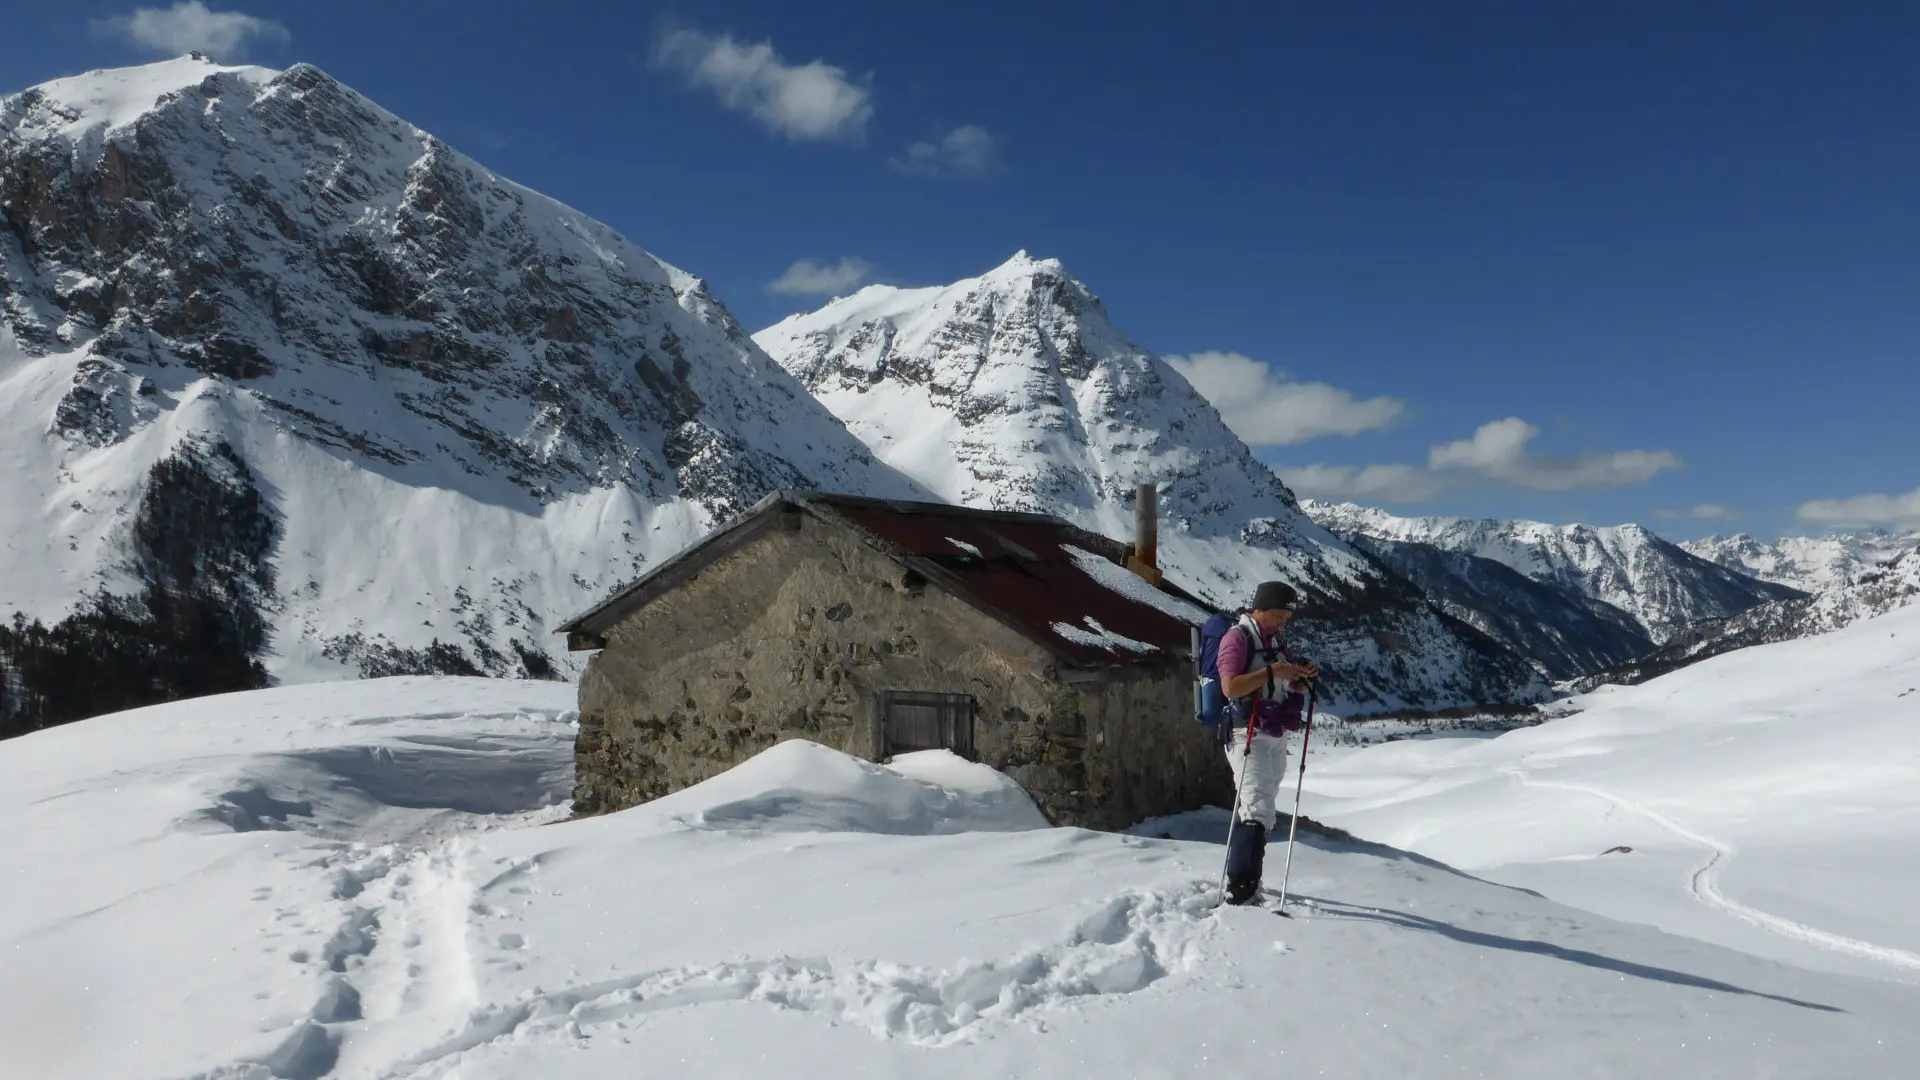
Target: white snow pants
x=1257 y=775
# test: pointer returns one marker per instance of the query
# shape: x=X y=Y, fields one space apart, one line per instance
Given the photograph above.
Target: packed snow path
x=1768 y=800
x=1704 y=882
x=376 y=881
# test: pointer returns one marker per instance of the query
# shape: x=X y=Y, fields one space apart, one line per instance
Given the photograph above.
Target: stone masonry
x=799 y=633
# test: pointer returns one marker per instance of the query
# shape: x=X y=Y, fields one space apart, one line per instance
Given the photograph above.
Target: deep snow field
x=378 y=880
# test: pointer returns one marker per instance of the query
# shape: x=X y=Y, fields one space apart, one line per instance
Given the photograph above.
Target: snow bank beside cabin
x=801 y=786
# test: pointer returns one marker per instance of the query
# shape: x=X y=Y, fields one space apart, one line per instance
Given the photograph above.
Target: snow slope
x=372 y=880
x=1771 y=797
x=1657 y=584
x=467 y=408
x=1014 y=390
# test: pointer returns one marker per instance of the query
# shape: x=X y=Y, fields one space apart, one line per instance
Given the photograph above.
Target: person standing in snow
x=1267 y=702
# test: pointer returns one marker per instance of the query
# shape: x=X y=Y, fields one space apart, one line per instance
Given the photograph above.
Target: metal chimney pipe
x=1146 y=525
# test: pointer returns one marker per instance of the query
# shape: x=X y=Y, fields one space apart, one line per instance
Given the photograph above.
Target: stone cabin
x=879 y=627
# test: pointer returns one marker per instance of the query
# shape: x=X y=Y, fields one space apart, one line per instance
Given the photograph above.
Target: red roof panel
x=1017 y=566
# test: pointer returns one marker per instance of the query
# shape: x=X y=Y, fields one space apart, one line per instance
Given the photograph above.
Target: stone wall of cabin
x=1146 y=755
x=798 y=635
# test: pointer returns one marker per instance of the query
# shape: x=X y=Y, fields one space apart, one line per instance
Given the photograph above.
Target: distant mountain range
x=1576 y=598
x=1812 y=564
x=292 y=384
x=1851 y=576
x=291 y=390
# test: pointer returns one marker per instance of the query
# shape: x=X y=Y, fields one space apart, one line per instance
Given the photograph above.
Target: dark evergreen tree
x=202 y=541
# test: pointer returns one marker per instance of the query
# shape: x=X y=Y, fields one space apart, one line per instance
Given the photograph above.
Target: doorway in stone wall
x=918 y=720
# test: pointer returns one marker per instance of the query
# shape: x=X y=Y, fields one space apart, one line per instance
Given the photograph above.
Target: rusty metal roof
x=1019 y=568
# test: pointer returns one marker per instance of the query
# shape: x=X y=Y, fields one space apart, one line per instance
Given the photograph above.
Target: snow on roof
x=1099 y=637
x=1037 y=572
x=1133 y=586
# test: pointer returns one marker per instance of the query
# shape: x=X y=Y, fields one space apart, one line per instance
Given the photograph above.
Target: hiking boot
x=1246 y=853
x=1243 y=891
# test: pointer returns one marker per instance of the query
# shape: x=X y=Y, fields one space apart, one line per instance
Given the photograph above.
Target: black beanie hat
x=1274 y=594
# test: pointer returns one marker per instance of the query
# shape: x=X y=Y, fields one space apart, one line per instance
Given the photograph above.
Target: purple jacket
x=1271 y=717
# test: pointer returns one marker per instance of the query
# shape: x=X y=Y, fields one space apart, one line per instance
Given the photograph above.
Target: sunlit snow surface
x=1771 y=797
x=377 y=880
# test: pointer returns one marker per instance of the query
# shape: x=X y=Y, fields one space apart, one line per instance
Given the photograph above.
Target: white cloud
x=1498 y=451
x=191 y=27
x=1265 y=408
x=1383 y=483
x=1713 y=512
x=808 y=278
x=1495 y=454
x=1898 y=511
x=814 y=100
x=967 y=152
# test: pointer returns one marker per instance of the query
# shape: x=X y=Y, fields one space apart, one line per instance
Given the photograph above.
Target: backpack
x=1209 y=698
x=1211 y=706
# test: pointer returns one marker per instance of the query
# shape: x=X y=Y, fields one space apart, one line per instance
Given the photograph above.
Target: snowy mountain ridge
x=1014 y=390
x=1862 y=576
x=1811 y=564
x=465 y=408
x=1661 y=587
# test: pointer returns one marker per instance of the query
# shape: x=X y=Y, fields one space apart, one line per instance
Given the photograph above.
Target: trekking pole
x=1312 y=691
x=1239 y=793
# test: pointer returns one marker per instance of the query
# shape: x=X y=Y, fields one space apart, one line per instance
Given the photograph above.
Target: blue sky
x=1593 y=261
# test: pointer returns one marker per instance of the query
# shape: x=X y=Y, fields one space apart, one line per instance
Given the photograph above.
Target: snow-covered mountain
x=264 y=345
x=1860 y=577
x=1566 y=634
x=1014 y=390
x=1663 y=589
x=1811 y=564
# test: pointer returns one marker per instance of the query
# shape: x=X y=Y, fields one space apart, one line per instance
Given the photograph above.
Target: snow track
x=1127 y=944
x=1705 y=886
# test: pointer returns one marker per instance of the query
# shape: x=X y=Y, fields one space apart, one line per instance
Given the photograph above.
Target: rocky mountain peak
x=280 y=231
x=1029 y=396
x=1014 y=390
x=449 y=393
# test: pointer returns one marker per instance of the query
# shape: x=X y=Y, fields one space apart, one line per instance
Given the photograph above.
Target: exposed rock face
x=1660 y=587
x=800 y=633
x=1014 y=391
x=1567 y=635
x=458 y=395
